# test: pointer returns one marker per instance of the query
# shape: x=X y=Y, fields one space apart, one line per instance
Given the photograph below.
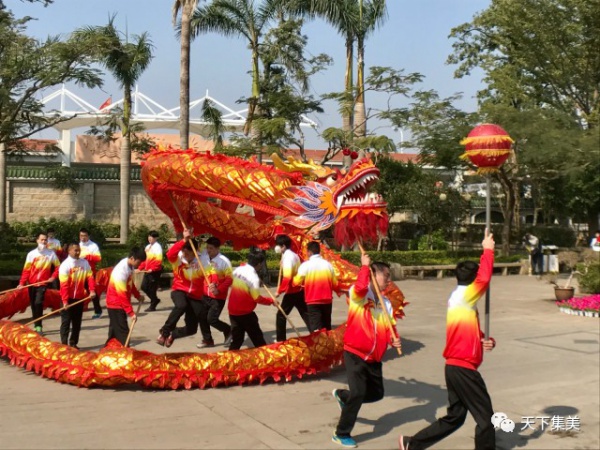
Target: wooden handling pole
x=276 y=303
x=193 y=248
x=17 y=288
x=133 y=322
x=64 y=308
x=380 y=299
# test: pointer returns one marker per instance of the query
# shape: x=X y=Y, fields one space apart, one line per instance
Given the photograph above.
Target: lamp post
x=487 y=146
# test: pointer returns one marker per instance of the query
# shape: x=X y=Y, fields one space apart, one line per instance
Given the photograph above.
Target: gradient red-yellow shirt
x=91 y=252
x=219 y=272
x=39 y=266
x=154 y=258
x=290 y=262
x=319 y=280
x=244 y=294
x=367 y=332
x=187 y=275
x=121 y=288
x=73 y=273
x=463 y=333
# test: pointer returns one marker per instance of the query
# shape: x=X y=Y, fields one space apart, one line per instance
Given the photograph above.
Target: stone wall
x=30 y=200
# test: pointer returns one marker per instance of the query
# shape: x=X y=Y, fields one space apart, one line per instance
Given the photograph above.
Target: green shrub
x=138 y=236
x=65 y=230
x=590 y=282
x=9 y=238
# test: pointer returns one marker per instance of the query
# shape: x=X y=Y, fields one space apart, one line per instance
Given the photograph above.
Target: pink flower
x=589 y=303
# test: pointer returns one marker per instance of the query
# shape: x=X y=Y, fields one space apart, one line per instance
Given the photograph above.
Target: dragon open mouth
x=356 y=194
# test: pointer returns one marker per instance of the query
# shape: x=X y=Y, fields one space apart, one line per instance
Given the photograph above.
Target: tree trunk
x=360 y=116
x=348 y=113
x=2 y=184
x=184 y=79
x=253 y=110
x=125 y=166
x=510 y=189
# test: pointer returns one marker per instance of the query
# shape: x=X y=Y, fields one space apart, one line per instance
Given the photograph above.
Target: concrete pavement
x=545 y=364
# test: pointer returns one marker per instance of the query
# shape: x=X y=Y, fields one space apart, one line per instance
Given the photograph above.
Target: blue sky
x=414 y=38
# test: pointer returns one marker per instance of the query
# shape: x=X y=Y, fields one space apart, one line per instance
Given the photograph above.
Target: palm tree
x=245 y=19
x=371 y=14
x=186 y=7
x=355 y=20
x=126 y=61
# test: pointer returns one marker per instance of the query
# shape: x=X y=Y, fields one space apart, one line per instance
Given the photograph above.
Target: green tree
x=126 y=61
x=543 y=52
x=243 y=18
x=407 y=187
x=28 y=67
x=383 y=80
x=187 y=8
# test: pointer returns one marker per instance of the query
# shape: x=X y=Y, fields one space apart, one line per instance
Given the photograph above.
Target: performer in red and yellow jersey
x=186 y=292
x=319 y=281
x=366 y=339
x=465 y=344
x=293 y=296
x=74 y=273
x=215 y=294
x=119 y=292
x=153 y=268
x=243 y=298
x=41 y=265
x=91 y=252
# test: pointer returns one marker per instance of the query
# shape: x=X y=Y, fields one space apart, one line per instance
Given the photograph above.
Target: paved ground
x=545 y=364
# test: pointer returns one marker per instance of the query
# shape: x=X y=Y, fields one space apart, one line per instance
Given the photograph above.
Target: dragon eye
x=331 y=179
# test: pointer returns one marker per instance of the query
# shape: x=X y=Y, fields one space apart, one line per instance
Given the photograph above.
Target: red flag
x=106 y=104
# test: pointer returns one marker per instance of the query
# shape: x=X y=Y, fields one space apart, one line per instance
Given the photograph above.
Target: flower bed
x=581 y=306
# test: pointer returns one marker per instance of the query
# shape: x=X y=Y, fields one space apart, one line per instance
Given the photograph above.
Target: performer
x=55 y=245
x=73 y=273
x=91 y=252
x=41 y=264
x=465 y=344
x=367 y=336
x=293 y=296
x=242 y=301
x=153 y=267
x=215 y=294
x=118 y=295
x=187 y=290
x=319 y=281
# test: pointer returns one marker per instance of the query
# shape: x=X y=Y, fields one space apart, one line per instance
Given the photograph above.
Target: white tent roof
x=145 y=110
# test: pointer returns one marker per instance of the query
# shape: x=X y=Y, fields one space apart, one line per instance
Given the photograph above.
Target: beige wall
x=32 y=200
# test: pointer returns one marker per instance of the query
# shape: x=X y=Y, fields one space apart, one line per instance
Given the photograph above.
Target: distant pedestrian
x=595 y=242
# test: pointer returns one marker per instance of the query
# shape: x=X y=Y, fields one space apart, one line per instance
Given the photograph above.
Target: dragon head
x=343 y=198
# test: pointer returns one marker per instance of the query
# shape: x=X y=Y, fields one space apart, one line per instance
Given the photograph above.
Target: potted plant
x=565 y=292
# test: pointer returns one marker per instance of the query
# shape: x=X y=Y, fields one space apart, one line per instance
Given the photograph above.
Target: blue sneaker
x=97 y=316
x=344 y=441
x=337 y=398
